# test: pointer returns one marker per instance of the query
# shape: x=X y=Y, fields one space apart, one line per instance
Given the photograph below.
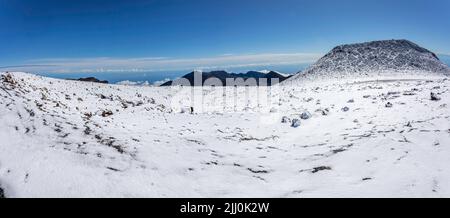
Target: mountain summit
x=387 y=57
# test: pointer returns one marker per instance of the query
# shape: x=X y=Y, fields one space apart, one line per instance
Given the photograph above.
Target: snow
x=268 y=71
x=59 y=141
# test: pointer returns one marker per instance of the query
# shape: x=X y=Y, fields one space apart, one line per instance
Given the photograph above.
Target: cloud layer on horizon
x=146 y=64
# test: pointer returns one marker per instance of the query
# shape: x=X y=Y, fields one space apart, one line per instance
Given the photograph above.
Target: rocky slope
x=374 y=59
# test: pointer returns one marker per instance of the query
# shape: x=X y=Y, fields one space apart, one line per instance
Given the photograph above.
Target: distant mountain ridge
x=374 y=58
x=223 y=75
x=90 y=79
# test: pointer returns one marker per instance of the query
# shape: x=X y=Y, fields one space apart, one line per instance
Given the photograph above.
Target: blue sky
x=83 y=35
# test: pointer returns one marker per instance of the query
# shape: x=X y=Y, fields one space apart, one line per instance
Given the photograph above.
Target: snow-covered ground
x=373 y=138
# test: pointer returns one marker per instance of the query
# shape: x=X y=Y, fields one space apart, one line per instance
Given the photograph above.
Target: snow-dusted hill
x=388 y=58
x=78 y=139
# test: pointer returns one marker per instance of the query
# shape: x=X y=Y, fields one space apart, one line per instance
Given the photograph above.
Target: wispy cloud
x=106 y=64
x=444 y=54
x=25 y=66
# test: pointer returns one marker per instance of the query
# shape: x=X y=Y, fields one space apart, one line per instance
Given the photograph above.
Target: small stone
x=317 y=169
x=389 y=105
x=305 y=115
x=107 y=113
x=285 y=119
x=295 y=123
x=308 y=99
x=435 y=97
x=351 y=101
